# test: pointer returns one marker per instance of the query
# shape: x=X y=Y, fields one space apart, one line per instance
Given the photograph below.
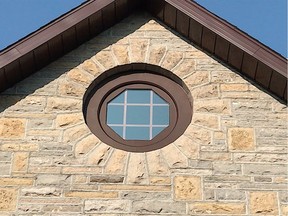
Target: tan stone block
x=174 y=157
x=157 y=164
x=85 y=145
x=138 y=49
x=19 y=147
x=50 y=170
x=80 y=76
x=8 y=199
x=137 y=172
x=136 y=187
x=212 y=106
x=64 y=120
x=158 y=180
x=171 y=59
x=71 y=89
x=105 y=58
x=99 y=155
x=197 y=78
x=156 y=54
x=206 y=91
x=116 y=163
x=188 y=147
x=263 y=203
x=81 y=170
x=16 y=181
x=12 y=128
x=121 y=53
x=187 y=188
x=215 y=156
x=284 y=209
x=20 y=162
x=233 y=87
x=185 y=67
x=198 y=134
x=241 y=139
x=75 y=133
x=63 y=104
x=217 y=208
x=79 y=179
x=218 y=135
x=152 y=25
x=91 y=195
x=206 y=120
x=91 y=67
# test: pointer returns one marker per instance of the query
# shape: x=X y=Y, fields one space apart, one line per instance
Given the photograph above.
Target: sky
x=18 y=18
x=265 y=20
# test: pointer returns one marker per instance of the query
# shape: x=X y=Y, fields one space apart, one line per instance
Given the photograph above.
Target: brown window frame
x=101 y=92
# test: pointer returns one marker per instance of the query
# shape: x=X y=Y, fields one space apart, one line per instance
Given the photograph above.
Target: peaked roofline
x=211 y=33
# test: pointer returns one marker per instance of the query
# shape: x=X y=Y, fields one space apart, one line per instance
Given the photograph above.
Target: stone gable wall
x=232 y=159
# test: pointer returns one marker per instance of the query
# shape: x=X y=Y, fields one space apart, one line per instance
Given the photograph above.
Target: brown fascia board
x=48 y=32
x=232 y=34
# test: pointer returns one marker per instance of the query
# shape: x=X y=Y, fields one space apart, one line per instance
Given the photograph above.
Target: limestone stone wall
x=230 y=161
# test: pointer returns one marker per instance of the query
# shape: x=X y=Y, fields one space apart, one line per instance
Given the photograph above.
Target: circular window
x=137 y=110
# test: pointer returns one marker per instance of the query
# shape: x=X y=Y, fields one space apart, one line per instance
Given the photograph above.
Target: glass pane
x=118 y=130
x=138 y=96
x=137 y=133
x=158 y=100
x=118 y=99
x=156 y=131
x=160 y=115
x=138 y=115
x=115 y=114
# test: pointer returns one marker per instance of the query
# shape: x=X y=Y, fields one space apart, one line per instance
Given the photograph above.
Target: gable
x=226 y=43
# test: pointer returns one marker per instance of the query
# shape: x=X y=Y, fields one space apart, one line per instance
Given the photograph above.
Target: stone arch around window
x=147 y=79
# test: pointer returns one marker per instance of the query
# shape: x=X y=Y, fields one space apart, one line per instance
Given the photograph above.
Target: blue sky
x=265 y=20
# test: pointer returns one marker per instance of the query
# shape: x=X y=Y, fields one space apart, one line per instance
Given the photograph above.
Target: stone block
x=160 y=180
x=99 y=155
x=157 y=164
x=107 y=206
x=227 y=169
x=16 y=181
x=53 y=179
x=153 y=188
x=198 y=134
x=205 y=92
x=65 y=120
x=223 y=194
x=58 y=104
x=241 y=139
x=20 y=161
x=185 y=68
x=5 y=168
x=174 y=157
x=171 y=59
x=217 y=208
x=8 y=199
x=157 y=207
x=137 y=171
x=106 y=179
x=41 y=191
x=12 y=128
x=91 y=67
x=116 y=164
x=105 y=58
x=75 y=133
x=156 y=54
x=260 y=158
x=212 y=106
x=67 y=88
x=233 y=87
x=79 y=76
x=263 y=203
x=138 y=195
x=85 y=145
x=206 y=120
x=197 y=78
x=265 y=169
x=121 y=53
x=92 y=195
x=188 y=147
x=187 y=188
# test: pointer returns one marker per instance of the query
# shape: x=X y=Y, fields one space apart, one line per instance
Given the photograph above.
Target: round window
x=138 y=110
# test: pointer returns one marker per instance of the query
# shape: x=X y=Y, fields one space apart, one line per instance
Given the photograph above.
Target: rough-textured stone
x=198 y=134
x=261 y=158
x=12 y=128
x=121 y=53
x=106 y=179
x=174 y=157
x=91 y=67
x=79 y=76
x=99 y=155
x=75 y=133
x=67 y=88
x=56 y=104
x=230 y=195
x=105 y=58
x=212 y=106
x=263 y=203
x=138 y=49
x=8 y=199
x=171 y=59
x=206 y=120
x=197 y=78
x=205 y=92
x=20 y=162
x=138 y=195
x=264 y=169
x=65 y=120
x=156 y=54
x=16 y=181
x=116 y=163
x=217 y=208
x=92 y=195
x=53 y=180
x=108 y=206
x=12 y=147
x=157 y=164
x=241 y=139
x=137 y=171
x=227 y=169
x=85 y=145
x=41 y=191
x=187 y=188
x=157 y=207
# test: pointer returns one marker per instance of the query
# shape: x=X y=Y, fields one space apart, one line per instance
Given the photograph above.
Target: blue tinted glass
x=118 y=99
x=137 y=133
x=160 y=115
x=156 y=131
x=118 y=130
x=138 y=115
x=115 y=114
x=158 y=100
x=138 y=96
